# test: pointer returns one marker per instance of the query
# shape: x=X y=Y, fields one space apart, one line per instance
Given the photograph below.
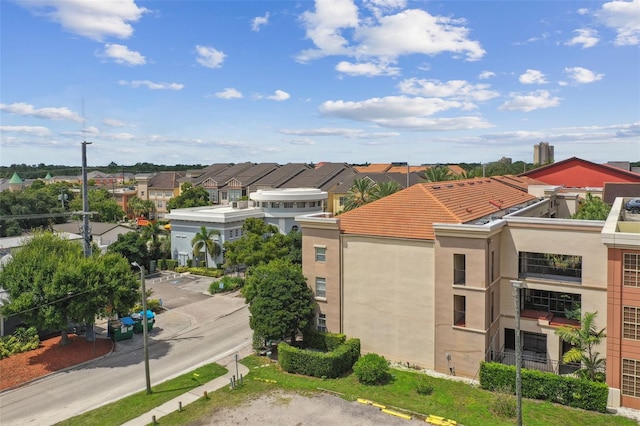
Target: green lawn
x=466 y=404
x=135 y=405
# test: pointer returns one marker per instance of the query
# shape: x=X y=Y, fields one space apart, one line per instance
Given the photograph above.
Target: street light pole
x=517 y=285
x=145 y=327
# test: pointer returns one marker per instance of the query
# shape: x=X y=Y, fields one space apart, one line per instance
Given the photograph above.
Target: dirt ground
x=290 y=409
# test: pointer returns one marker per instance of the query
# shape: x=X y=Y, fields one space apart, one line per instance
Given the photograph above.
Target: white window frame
x=321 y=324
x=320 y=257
x=321 y=288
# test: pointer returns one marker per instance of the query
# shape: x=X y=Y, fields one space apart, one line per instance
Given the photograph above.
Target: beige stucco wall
x=388 y=296
x=552 y=236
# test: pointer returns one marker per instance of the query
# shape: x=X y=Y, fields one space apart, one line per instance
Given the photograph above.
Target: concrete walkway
x=168 y=407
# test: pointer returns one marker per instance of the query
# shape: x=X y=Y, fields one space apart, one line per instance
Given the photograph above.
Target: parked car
x=633 y=205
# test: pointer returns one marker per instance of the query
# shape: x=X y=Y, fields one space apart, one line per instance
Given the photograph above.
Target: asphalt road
x=196 y=329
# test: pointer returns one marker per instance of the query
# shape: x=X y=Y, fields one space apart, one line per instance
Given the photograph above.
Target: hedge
x=566 y=390
x=319 y=364
x=323 y=341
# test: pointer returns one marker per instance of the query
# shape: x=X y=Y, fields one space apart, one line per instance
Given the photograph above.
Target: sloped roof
x=578 y=173
x=374 y=168
x=455 y=169
x=403 y=169
x=165 y=180
x=519 y=182
x=322 y=176
x=97 y=228
x=222 y=174
x=15 y=179
x=250 y=175
x=281 y=175
x=412 y=212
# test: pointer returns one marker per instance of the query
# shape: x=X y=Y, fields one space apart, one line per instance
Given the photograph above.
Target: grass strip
x=464 y=403
x=135 y=405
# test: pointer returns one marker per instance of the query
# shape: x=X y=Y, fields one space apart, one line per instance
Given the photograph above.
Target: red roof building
x=577 y=173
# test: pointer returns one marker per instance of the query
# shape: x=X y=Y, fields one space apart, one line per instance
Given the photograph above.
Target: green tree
x=260 y=243
x=190 y=196
x=584 y=339
x=153 y=233
x=592 y=208
x=140 y=207
x=280 y=302
x=438 y=174
x=360 y=193
x=383 y=189
x=102 y=204
x=132 y=246
x=50 y=283
x=204 y=241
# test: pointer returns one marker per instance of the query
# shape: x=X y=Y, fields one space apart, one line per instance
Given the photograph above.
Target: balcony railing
x=533 y=362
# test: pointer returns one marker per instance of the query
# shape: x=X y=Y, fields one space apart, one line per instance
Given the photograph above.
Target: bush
x=319 y=364
x=322 y=341
x=424 y=387
x=227 y=283
x=22 y=340
x=571 y=391
x=171 y=264
x=189 y=263
x=152 y=305
x=162 y=264
x=372 y=369
x=504 y=404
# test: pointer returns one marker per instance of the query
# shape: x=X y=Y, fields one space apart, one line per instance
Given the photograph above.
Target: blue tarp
x=126 y=321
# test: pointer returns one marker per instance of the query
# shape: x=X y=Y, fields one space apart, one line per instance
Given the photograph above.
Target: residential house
x=102 y=233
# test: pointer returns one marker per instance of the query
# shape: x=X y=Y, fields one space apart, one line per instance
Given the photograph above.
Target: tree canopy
x=280 y=302
x=363 y=191
x=205 y=239
x=260 y=243
x=50 y=283
x=133 y=247
x=102 y=203
x=592 y=208
x=190 y=196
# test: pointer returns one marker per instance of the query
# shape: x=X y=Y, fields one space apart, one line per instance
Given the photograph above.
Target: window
x=275 y=205
x=534 y=346
x=459 y=310
x=301 y=205
x=236 y=233
x=565 y=305
x=343 y=201
x=321 y=254
x=631 y=377
x=548 y=265
x=288 y=205
x=168 y=194
x=631 y=270
x=322 y=322
x=321 y=288
x=160 y=204
x=493 y=266
x=493 y=302
x=459 y=269
x=224 y=195
x=631 y=322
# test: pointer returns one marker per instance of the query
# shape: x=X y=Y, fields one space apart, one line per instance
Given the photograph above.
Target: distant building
x=542 y=153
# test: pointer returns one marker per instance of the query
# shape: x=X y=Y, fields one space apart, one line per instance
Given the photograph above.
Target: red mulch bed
x=49 y=357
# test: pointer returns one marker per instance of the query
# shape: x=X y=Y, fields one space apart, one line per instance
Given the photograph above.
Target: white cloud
x=455 y=89
x=623 y=17
x=403 y=112
x=229 y=93
x=585 y=37
x=151 y=85
x=379 y=7
x=122 y=55
x=335 y=29
x=339 y=131
x=209 y=57
x=529 y=102
x=486 y=74
x=301 y=141
x=582 y=75
x=112 y=122
x=368 y=69
x=95 y=20
x=583 y=11
x=51 y=113
x=29 y=130
x=259 y=21
x=279 y=95
x=532 y=77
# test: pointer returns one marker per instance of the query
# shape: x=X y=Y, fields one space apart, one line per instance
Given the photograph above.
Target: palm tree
x=152 y=232
x=438 y=174
x=360 y=193
x=204 y=240
x=382 y=189
x=584 y=339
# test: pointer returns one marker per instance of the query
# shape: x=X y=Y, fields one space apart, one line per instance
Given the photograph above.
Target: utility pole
x=517 y=285
x=145 y=327
x=86 y=233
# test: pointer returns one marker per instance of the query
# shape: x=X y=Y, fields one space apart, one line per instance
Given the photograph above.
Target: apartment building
x=621 y=236
x=425 y=276
x=542 y=153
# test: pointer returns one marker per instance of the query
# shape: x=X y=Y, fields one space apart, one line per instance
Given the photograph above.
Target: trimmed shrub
x=22 y=340
x=172 y=264
x=152 y=305
x=319 y=364
x=322 y=340
x=372 y=369
x=424 y=387
x=571 y=391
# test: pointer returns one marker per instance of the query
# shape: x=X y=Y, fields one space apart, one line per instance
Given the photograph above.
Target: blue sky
x=202 y=82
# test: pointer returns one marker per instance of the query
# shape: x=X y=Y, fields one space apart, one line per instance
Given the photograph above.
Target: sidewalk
x=187 y=398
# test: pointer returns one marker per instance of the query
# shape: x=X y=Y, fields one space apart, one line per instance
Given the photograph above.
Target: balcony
x=533 y=361
x=559 y=267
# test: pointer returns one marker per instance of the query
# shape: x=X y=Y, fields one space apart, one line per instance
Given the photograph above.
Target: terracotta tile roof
x=519 y=182
x=455 y=169
x=403 y=169
x=374 y=168
x=412 y=212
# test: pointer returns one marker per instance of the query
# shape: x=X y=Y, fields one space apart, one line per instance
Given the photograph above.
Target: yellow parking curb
x=397 y=414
